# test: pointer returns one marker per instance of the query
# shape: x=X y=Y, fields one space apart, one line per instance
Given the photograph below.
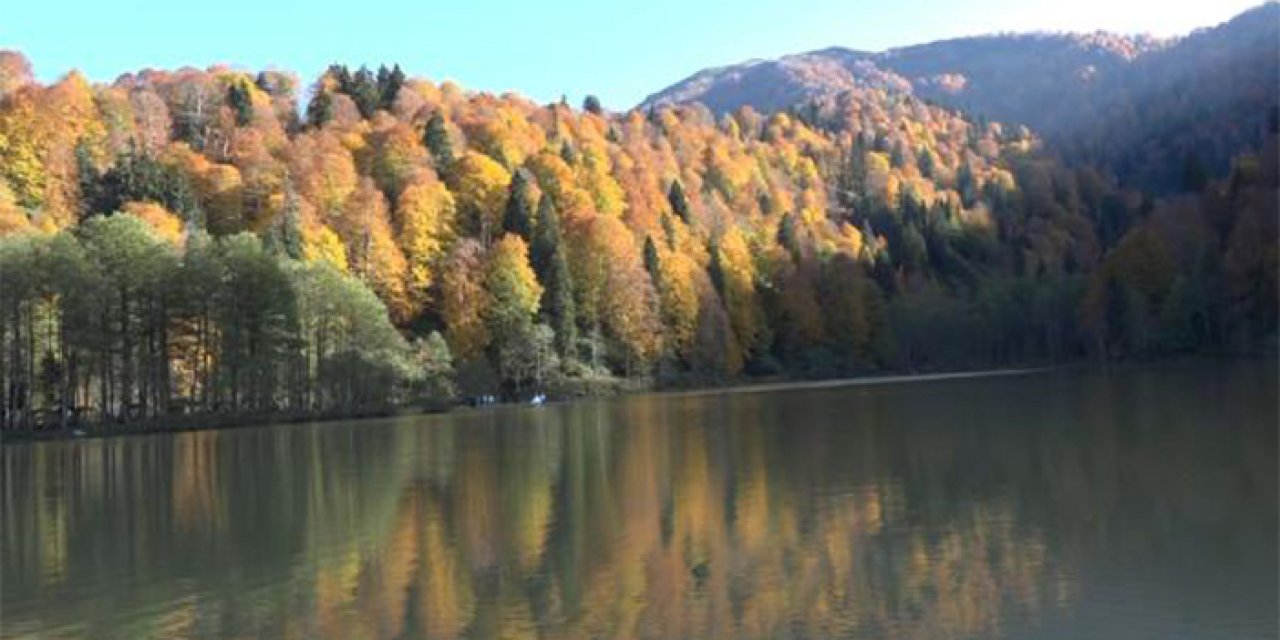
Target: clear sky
x=621 y=50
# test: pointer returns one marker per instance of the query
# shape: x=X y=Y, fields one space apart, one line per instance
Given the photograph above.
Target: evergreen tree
x=264 y=82
x=88 y=177
x=651 y=260
x=679 y=203
x=591 y=104
x=546 y=255
x=966 y=183
x=898 y=157
x=389 y=88
x=285 y=236
x=715 y=269
x=924 y=162
x=558 y=306
x=240 y=99
x=364 y=91
x=438 y=143
x=340 y=74
x=546 y=236
x=518 y=216
x=320 y=109
x=568 y=153
x=787 y=238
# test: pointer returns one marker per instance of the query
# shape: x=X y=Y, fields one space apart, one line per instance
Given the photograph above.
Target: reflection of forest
x=820 y=514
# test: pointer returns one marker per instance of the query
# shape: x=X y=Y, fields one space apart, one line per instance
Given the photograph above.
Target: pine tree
x=518 y=218
x=320 y=109
x=591 y=104
x=546 y=254
x=241 y=101
x=364 y=91
x=568 y=153
x=716 y=267
x=558 y=305
x=651 y=260
x=546 y=236
x=390 y=88
x=787 y=238
x=924 y=161
x=438 y=143
x=898 y=157
x=285 y=236
x=679 y=203
x=89 y=178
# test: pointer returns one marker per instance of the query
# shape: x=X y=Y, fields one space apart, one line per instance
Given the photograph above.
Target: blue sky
x=621 y=50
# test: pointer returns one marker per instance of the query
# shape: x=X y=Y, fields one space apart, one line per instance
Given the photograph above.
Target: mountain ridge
x=1100 y=97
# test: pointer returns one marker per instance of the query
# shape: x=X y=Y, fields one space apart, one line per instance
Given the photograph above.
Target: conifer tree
x=517 y=218
x=679 y=202
x=438 y=143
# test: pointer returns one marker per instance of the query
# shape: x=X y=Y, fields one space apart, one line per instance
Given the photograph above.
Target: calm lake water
x=1130 y=503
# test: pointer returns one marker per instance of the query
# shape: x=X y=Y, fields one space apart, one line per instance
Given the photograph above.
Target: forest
x=222 y=242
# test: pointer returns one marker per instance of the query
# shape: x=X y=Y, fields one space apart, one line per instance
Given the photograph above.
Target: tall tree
x=240 y=99
x=678 y=201
x=547 y=256
x=517 y=218
x=436 y=137
x=514 y=296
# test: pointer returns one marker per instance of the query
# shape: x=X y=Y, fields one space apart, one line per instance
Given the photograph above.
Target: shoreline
x=180 y=424
x=864 y=381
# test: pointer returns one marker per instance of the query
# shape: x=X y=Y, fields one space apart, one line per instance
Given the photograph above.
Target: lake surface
x=1126 y=503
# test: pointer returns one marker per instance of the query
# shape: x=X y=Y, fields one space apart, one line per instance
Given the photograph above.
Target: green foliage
x=651 y=262
x=239 y=98
x=850 y=234
x=517 y=218
x=436 y=137
x=135 y=176
x=678 y=201
x=143 y=330
x=547 y=256
x=320 y=109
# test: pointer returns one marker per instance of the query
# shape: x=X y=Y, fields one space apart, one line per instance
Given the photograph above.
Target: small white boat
x=538 y=400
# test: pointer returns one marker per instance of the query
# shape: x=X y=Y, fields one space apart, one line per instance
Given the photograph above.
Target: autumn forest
x=241 y=243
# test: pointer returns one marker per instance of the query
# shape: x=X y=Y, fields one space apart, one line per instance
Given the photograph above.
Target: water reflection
x=1079 y=504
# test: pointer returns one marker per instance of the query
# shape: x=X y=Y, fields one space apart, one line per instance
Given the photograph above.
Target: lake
x=1132 y=502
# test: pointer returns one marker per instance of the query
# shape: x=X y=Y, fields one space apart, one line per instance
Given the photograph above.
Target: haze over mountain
x=1108 y=98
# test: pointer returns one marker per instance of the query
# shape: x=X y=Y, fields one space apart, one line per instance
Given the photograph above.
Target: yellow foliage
x=740 y=300
x=678 y=296
x=320 y=243
x=167 y=225
x=12 y=218
x=425 y=218
x=851 y=240
x=479 y=187
x=557 y=180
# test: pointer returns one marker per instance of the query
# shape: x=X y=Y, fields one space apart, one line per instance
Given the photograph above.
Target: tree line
x=111 y=322
x=193 y=241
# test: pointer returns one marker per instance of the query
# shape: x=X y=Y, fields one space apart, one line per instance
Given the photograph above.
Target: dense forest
x=199 y=242
x=1136 y=106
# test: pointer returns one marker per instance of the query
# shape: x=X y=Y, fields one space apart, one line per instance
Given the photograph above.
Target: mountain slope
x=1117 y=100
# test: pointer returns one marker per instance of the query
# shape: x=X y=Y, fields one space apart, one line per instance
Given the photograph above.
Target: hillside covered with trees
x=221 y=241
x=1140 y=108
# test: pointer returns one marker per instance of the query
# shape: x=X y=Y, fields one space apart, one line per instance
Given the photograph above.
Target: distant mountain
x=1109 y=98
